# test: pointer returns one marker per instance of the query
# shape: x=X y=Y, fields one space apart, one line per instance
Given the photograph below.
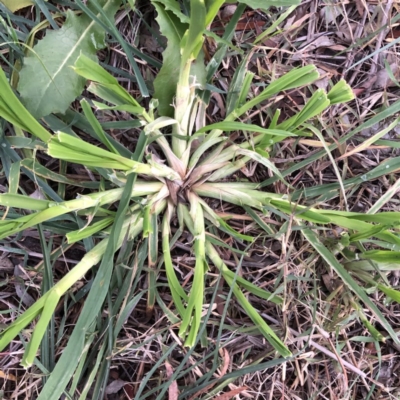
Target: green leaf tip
x=341 y=93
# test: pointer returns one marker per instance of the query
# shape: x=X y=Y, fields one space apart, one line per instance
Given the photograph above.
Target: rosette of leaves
x=150 y=190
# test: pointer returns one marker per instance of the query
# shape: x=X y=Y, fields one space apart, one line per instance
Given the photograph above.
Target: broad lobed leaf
x=55 y=84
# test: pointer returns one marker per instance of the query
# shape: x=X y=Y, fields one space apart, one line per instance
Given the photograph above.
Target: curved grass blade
x=192 y=315
x=176 y=289
x=254 y=315
x=348 y=280
x=111 y=28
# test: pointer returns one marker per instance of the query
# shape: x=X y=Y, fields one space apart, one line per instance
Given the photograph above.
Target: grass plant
x=140 y=204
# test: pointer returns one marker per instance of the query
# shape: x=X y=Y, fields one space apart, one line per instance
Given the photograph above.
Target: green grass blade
x=12 y=110
x=176 y=289
x=230 y=126
x=347 y=279
x=96 y=126
x=152 y=264
x=254 y=315
x=192 y=41
x=76 y=236
x=314 y=106
x=235 y=87
x=69 y=360
x=111 y=28
x=40 y=328
x=293 y=79
x=386 y=113
x=193 y=311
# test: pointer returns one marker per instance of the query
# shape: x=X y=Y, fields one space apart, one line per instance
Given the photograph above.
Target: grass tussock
x=203 y=204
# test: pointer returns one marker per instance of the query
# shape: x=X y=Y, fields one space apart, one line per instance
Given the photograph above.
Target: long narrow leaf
x=348 y=280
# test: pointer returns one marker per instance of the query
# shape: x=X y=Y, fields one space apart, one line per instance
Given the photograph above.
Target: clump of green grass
x=139 y=196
